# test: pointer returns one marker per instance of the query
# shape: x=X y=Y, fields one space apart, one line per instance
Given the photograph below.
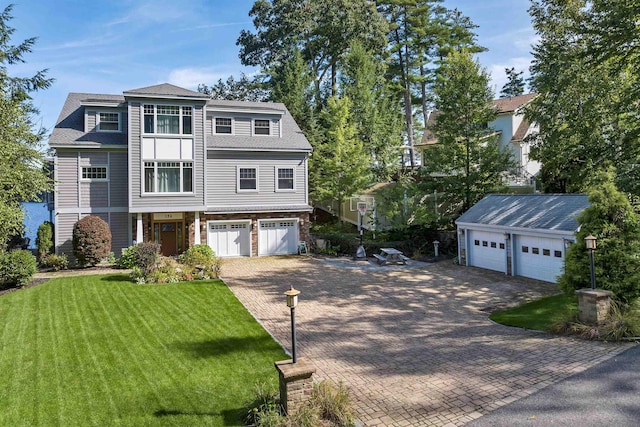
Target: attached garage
x=278 y=236
x=521 y=235
x=229 y=238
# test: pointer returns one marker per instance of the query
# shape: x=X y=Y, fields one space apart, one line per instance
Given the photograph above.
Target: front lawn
x=540 y=314
x=99 y=350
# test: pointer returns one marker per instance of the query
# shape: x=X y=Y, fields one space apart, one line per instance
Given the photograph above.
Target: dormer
x=244 y=119
x=105 y=116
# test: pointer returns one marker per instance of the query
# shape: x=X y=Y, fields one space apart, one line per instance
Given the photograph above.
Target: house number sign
x=165 y=216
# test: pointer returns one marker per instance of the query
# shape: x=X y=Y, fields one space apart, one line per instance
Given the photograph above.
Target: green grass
x=99 y=350
x=540 y=314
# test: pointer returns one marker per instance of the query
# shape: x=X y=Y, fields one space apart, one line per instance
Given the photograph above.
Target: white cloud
x=190 y=78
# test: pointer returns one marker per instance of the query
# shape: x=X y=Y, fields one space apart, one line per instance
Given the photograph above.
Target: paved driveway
x=414 y=343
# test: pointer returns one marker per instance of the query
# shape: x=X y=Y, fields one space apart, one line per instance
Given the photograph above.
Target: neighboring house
x=166 y=164
x=512 y=129
x=520 y=235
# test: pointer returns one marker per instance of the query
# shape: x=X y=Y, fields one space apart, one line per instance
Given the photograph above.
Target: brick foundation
x=593 y=305
x=296 y=383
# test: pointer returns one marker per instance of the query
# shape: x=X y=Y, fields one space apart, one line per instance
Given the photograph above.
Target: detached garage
x=521 y=235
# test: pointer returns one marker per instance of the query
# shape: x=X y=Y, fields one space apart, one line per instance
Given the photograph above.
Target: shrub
x=55 y=262
x=91 y=240
x=167 y=271
x=265 y=410
x=44 y=239
x=333 y=403
x=17 y=267
x=147 y=257
x=203 y=261
x=128 y=258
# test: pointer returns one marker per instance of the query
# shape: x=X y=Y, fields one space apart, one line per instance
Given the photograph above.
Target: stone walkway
x=414 y=343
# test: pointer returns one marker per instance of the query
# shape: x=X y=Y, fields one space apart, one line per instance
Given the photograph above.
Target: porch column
x=196 y=229
x=139 y=230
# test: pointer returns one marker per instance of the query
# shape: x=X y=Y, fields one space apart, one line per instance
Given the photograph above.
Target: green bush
x=17 y=268
x=55 y=262
x=147 y=257
x=91 y=240
x=129 y=257
x=168 y=270
x=44 y=239
x=202 y=259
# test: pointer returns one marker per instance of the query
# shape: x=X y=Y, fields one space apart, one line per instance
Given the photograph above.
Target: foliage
x=243 y=89
x=22 y=176
x=587 y=79
x=540 y=315
x=333 y=403
x=515 y=83
x=611 y=219
x=17 y=268
x=147 y=256
x=44 y=239
x=623 y=323
x=168 y=270
x=203 y=262
x=55 y=262
x=467 y=162
x=152 y=355
x=265 y=409
x=91 y=240
x=128 y=259
x=339 y=167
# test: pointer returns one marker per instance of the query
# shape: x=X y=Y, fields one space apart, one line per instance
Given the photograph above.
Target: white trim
x=145 y=193
x=248 y=190
x=237 y=221
x=266 y=150
x=517 y=230
x=196 y=228
x=94 y=146
x=260 y=221
x=98 y=129
x=180 y=106
x=139 y=229
x=267 y=209
x=106 y=169
x=235 y=110
x=213 y=125
x=105 y=104
x=277 y=189
x=166 y=208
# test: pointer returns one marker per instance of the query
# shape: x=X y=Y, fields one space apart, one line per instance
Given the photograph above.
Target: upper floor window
x=109 y=122
x=261 y=127
x=247 y=179
x=223 y=125
x=168 y=119
x=94 y=173
x=284 y=180
x=168 y=177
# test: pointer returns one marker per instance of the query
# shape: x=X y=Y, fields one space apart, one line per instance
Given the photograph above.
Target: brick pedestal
x=593 y=305
x=296 y=383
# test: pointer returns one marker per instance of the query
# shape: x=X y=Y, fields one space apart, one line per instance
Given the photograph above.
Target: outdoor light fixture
x=590 y=241
x=292 y=302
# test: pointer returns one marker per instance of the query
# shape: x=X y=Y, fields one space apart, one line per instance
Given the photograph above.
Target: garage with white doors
x=278 y=236
x=523 y=235
x=229 y=238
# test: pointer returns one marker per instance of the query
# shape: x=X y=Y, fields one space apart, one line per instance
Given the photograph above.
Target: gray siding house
x=166 y=164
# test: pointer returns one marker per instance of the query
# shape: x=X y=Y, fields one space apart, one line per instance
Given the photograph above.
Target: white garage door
x=487 y=250
x=539 y=258
x=278 y=237
x=229 y=239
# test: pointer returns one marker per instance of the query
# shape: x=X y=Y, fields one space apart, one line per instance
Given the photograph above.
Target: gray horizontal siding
x=242 y=126
x=64 y=233
x=120 y=236
x=91 y=122
x=94 y=158
x=94 y=194
x=67 y=176
x=118 y=179
x=222 y=179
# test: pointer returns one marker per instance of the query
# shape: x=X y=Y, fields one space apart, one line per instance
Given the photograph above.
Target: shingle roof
x=69 y=129
x=509 y=105
x=521 y=132
x=535 y=211
x=165 y=90
x=254 y=209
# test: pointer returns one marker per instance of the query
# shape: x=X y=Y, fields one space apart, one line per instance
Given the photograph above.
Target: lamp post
x=590 y=241
x=292 y=302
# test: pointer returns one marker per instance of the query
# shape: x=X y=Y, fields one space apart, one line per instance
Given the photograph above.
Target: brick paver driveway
x=414 y=344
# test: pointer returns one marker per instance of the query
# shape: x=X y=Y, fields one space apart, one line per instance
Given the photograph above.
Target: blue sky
x=112 y=46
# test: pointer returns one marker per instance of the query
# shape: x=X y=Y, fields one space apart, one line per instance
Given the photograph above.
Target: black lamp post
x=590 y=240
x=292 y=302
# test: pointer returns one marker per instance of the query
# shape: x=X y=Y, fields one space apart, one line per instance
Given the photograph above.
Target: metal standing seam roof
x=534 y=211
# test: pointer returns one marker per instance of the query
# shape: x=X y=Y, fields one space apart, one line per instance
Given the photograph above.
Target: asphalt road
x=605 y=395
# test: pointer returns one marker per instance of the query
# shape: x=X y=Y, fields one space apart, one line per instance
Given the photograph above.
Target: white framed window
x=168 y=119
x=108 y=122
x=247 y=178
x=168 y=177
x=223 y=125
x=261 y=127
x=285 y=179
x=94 y=173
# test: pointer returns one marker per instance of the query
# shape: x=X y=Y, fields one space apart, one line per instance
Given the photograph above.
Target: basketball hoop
x=363 y=207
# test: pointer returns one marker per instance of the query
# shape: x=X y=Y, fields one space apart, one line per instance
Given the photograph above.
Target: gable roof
x=165 y=90
x=510 y=105
x=521 y=132
x=534 y=211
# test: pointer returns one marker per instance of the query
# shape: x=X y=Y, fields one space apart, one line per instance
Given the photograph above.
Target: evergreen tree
x=243 y=89
x=22 y=175
x=339 y=167
x=467 y=158
x=515 y=83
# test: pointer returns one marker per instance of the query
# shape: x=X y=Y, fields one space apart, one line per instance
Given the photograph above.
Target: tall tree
x=515 y=83
x=467 y=158
x=22 y=172
x=375 y=109
x=243 y=89
x=339 y=167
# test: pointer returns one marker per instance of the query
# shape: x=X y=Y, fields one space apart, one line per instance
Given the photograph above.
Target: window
x=108 y=122
x=557 y=254
x=223 y=125
x=501 y=245
x=493 y=244
x=168 y=119
x=535 y=251
x=525 y=249
x=476 y=242
x=168 y=177
x=485 y=243
x=247 y=179
x=546 y=252
x=284 y=179
x=94 y=173
x=261 y=127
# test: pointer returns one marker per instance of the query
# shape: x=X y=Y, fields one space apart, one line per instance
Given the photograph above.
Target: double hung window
x=247 y=179
x=108 y=122
x=168 y=119
x=284 y=179
x=261 y=127
x=223 y=125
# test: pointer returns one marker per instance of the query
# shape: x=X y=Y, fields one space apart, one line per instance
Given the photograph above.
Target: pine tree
x=515 y=83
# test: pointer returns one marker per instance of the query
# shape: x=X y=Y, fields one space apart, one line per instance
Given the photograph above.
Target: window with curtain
x=168 y=119
x=168 y=177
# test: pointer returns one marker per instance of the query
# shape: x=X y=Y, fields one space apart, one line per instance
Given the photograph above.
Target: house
x=520 y=235
x=166 y=164
x=512 y=129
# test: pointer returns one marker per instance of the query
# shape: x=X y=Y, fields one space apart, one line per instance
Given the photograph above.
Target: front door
x=169 y=235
